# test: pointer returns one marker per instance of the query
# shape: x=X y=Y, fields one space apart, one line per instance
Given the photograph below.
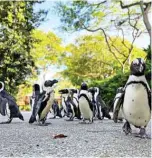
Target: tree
x=144 y=11
x=17 y=20
x=46 y=50
x=105 y=17
x=88 y=59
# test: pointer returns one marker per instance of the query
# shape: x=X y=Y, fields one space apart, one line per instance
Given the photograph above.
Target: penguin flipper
x=117 y=108
x=32 y=119
x=3 y=103
x=149 y=99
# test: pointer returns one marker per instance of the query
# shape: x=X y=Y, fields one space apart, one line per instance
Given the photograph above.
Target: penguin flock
x=132 y=102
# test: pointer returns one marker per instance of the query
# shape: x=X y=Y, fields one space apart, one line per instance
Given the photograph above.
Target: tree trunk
x=146 y=19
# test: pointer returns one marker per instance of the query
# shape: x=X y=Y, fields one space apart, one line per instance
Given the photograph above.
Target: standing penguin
x=33 y=102
x=44 y=102
x=56 y=109
x=64 y=96
x=69 y=106
x=136 y=100
x=96 y=101
x=100 y=108
x=118 y=94
x=85 y=103
x=75 y=101
x=8 y=105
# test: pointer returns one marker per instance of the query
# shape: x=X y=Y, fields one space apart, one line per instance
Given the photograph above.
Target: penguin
x=69 y=106
x=33 y=102
x=95 y=92
x=8 y=106
x=95 y=108
x=118 y=94
x=135 y=100
x=43 y=103
x=100 y=108
x=64 y=95
x=85 y=103
x=56 y=109
x=75 y=93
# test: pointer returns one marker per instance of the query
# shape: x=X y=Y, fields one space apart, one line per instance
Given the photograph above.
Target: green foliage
x=109 y=86
x=17 y=20
x=25 y=107
x=90 y=59
x=46 y=48
x=75 y=15
x=148 y=64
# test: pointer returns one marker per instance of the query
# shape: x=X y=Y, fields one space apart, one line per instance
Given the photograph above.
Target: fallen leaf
x=59 y=136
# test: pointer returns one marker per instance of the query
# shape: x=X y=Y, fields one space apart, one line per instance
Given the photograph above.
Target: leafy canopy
x=17 y=20
x=90 y=59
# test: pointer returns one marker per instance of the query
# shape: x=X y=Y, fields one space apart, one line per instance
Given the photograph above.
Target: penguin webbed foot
x=52 y=117
x=83 y=121
x=91 y=120
x=126 y=128
x=44 y=123
x=100 y=117
x=70 y=119
x=7 y=122
x=142 y=134
x=120 y=121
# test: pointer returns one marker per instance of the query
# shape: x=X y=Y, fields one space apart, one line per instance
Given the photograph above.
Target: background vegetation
x=101 y=57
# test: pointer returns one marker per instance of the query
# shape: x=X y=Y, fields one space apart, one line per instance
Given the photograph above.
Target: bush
x=109 y=86
x=25 y=107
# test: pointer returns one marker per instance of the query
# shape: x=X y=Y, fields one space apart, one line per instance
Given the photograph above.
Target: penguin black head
x=50 y=83
x=36 y=87
x=138 y=67
x=74 y=90
x=63 y=91
x=84 y=86
x=92 y=90
x=120 y=90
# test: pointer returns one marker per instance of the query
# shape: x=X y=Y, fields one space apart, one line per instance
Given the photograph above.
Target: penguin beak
x=140 y=68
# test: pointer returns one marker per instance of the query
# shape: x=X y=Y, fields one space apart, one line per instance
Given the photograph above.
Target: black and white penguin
x=64 y=96
x=100 y=108
x=8 y=106
x=33 y=102
x=69 y=106
x=136 y=101
x=42 y=105
x=75 y=94
x=56 y=109
x=85 y=103
x=118 y=94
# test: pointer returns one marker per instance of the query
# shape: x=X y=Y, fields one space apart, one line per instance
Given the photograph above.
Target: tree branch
x=99 y=3
x=133 y=4
x=106 y=39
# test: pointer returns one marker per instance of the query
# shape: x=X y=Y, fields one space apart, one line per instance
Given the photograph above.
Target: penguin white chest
x=48 y=106
x=120 y=114
x=63 y=104
x=85 y=108
x=135 y=106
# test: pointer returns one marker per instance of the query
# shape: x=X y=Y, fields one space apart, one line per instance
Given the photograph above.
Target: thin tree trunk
x=146 y=19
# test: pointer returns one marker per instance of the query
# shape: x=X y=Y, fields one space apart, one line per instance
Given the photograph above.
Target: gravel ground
x=100 y=139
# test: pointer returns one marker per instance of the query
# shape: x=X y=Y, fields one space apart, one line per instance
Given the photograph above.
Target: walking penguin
x=136 y=100
x=8 y=106
x=85 y=103
x=43 y=102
